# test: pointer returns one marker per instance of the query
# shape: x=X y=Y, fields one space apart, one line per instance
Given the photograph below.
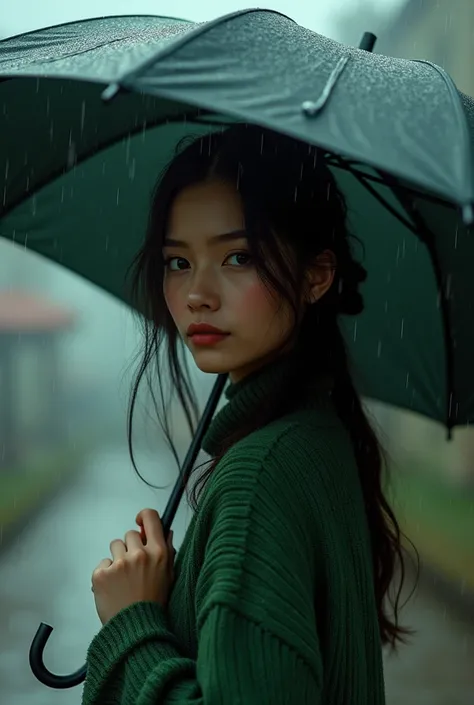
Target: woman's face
x=210 y=279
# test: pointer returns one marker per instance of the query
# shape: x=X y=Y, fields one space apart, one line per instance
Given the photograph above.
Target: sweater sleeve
x=257 y=636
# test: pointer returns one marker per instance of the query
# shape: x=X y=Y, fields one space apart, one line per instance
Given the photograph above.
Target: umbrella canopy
x=90 y=113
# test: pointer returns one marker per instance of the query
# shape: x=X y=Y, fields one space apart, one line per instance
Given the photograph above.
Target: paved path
x=437 y=667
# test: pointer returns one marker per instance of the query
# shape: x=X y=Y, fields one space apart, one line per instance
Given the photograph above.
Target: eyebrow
x=223 y=237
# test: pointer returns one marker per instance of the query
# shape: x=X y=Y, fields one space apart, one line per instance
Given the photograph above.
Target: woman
x=277 y=594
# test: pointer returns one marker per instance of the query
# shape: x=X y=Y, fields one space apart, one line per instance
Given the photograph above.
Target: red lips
x=203 y=329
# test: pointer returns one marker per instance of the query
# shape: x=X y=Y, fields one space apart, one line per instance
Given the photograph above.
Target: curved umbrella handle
x=40 y=670
x=44 y=630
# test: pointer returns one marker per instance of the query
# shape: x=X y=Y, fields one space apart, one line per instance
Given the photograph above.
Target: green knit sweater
x=273 y=601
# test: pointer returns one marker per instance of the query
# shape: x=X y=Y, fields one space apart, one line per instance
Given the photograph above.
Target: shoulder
x=308 y=433
x=273 y=465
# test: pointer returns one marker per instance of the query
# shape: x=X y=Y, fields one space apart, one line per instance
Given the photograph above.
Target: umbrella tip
x=367 y=42
x=467 y=214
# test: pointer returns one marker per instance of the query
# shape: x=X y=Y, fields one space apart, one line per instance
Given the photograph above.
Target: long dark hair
x=288 y=194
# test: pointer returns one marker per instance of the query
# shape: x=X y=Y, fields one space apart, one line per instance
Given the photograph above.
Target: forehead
x=204 y=210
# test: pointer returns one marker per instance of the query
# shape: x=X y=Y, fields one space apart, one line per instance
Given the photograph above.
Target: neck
x=241 y=373
x=255 y=399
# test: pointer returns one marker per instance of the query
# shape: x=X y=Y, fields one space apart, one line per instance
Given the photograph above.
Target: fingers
x=151 y=528
x=105 y=563
x=133 y=540
x=117 y=549
x=150 y=520
x=144 y=512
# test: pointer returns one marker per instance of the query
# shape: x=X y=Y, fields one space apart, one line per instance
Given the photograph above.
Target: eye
x=243 y=259
x=239 y=256
x=179 y=260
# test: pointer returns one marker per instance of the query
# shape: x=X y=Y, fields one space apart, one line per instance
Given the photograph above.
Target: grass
x=23 y=486
x=439 y=519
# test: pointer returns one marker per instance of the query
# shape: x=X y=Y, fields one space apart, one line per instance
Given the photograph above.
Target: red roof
x=24 y=312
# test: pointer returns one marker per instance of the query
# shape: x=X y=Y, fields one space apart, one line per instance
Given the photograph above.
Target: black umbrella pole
x=44 y=630
x=191 y=455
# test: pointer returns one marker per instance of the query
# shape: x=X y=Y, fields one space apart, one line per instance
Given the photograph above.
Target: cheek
x=255 y=298
x=262 y=312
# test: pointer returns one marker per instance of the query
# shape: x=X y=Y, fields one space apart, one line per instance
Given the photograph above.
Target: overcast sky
x=318 y=15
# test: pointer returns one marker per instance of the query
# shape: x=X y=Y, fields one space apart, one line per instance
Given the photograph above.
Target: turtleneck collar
x=244 y=396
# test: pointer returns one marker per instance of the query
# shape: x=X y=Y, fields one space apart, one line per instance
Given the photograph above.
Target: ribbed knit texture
x=273 y=602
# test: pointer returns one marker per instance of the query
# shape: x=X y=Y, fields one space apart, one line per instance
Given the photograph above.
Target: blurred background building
x=32 y=395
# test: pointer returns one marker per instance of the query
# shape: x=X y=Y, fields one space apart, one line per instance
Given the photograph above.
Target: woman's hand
x=142 y=568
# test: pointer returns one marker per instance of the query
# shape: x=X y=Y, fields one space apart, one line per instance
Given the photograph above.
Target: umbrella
x=92 y=110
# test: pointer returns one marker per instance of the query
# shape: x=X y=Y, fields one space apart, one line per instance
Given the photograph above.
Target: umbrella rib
x=380 y=180
x=310 y=107
x=426 y=235
x=361 y=178
x=421 y=230
x=466 y=148
x=200 y=28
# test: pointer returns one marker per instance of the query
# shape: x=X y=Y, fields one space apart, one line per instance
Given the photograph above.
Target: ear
x=320 y=276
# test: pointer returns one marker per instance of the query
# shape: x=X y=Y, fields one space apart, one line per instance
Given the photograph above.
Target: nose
x=203 y=293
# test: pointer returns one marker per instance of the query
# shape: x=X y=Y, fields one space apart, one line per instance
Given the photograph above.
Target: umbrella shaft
x=191 y=455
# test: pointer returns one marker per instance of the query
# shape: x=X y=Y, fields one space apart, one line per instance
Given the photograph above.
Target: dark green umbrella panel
x=90 y=113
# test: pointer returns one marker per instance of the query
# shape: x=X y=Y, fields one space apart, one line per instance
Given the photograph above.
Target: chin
x=212 y=367
x=215 y=362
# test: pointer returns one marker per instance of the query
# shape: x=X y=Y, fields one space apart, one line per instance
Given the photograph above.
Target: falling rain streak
x=71 y=155
x=127 y=149
x=83 y=115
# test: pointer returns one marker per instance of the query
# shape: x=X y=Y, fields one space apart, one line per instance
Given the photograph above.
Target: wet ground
x=46 y=575
x=437 y=666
